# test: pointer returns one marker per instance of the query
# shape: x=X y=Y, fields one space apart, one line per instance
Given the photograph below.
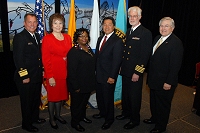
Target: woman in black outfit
x=81 y=77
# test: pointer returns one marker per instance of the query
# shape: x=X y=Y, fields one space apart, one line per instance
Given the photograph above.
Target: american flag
x=40 y=31
x=38 y=12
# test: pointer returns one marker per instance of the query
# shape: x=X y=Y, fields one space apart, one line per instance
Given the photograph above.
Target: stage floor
x=182 y=120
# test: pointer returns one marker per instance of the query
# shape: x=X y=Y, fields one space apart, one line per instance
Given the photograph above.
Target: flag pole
x=43 y=21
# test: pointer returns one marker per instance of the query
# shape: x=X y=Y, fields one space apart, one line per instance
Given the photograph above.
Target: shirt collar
x=165 y=37
x=108 y=35
x=30 y=33
x=133 y=28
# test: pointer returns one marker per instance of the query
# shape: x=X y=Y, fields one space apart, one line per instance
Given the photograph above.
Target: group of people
x=79 y=70
x=163 y=59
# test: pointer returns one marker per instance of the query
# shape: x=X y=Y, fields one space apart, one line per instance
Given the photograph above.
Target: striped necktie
x=104 y=41
x=159 y=43
x=35 y=38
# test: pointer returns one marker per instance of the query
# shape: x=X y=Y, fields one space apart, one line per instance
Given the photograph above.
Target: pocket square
x=136 y=38
x=30 y=43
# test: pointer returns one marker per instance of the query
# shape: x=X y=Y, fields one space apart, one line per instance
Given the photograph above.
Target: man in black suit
x=28 y=75
x=137 y=50
x=109 y=56
x=164 y=66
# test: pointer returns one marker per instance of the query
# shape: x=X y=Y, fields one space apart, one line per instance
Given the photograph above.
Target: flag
x=39 y=11
x=39 y=14
x=94 y=34
x=72 y=22
x=121 y=27
x=94 y=28
x=121 y=18
x=71 y=30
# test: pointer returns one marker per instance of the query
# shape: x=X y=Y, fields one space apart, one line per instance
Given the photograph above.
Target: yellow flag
x=72 y=22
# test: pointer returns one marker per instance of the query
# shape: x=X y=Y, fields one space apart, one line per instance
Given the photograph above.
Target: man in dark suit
x=164 y=66
x=28 y=75
x=109 y=56
x=137 y=50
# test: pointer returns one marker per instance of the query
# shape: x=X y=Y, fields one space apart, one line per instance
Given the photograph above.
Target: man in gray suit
x=164 y=66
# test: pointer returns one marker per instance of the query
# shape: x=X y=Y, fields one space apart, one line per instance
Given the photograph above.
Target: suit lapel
x=135 y=33
x=38 y=38
x=168 y=39
x=98 y=44
x=30 y=38
x=107 y=42
x=163 y=44
x=156 y=39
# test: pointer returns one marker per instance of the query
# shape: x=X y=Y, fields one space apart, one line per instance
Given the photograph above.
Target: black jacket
x=81 y=70
x=165 y=63
x=108 y=60
x=137 y=51
x=27 y=57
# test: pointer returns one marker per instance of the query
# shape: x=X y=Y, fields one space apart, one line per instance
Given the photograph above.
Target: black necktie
x=131 y=31
x=35 y=39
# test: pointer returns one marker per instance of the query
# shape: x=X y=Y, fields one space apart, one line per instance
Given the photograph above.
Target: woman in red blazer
x=55 y=47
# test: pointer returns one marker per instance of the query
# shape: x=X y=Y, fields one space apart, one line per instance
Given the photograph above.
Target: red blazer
x=54 y=54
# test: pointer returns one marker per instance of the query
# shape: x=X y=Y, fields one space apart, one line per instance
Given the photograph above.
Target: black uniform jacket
x=137 y=51
x=27 y=57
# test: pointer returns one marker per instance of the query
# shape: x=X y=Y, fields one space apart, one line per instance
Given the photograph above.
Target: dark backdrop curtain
x=186 y=14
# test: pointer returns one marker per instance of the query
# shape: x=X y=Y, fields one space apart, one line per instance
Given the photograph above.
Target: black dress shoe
x=156 y=131
x=79 y=128
x=31 y=129
x=148 y=121
x=131 y=125
x=61 y=121
x=106 y=125
x=121 y=117
x=97 y=116
x=86 y=120
x=40 y=121
x=54 y=126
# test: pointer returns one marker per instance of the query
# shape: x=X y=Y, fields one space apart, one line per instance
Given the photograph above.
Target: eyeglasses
x=165 y=26
x=134 y=16
x=83 y=37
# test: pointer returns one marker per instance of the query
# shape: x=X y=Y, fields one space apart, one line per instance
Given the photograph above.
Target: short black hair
x=111 y=18
x=78 y=33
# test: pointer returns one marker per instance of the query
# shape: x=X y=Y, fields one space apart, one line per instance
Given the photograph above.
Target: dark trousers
x=78 y=107
x=196 y=103
x=160 y=105
x=30 y=100
x=105 y=100
x=131 y=98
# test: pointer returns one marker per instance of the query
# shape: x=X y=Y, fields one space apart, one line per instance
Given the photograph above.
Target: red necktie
x=104 y=41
